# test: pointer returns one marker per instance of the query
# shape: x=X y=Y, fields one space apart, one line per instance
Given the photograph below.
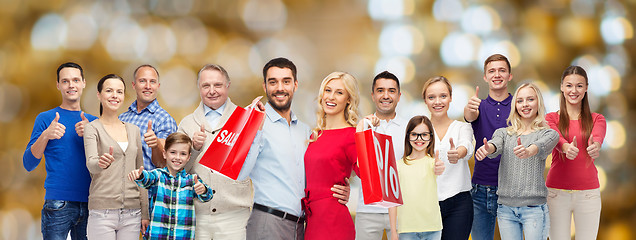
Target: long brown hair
x=414 y=122
x=585 y=117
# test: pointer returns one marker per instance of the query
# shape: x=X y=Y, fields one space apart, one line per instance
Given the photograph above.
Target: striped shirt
x=173 y=214
x=162 y=123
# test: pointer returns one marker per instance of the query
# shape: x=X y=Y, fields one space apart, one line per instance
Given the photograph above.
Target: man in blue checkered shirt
x=155 y=124
x=146 y=111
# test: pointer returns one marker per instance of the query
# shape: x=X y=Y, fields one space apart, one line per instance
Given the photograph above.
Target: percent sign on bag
x=378 y=170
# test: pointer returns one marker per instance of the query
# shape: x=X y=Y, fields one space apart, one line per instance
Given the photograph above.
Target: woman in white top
x=454 y=141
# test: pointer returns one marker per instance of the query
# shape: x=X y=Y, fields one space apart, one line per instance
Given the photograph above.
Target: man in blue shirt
x=276 y=160
x=58 y=135
x=153 y=121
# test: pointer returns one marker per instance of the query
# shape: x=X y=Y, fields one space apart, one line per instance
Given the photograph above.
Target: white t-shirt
x=456 y=177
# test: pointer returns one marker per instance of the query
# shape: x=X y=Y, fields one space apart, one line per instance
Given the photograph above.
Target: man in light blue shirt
x=371 y=221
x=276 y=161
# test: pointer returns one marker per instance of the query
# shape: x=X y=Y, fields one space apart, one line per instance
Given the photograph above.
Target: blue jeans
x=457 y=216
x=533 y=222
x=485 y=210
x=59 y=217
x=436 y=235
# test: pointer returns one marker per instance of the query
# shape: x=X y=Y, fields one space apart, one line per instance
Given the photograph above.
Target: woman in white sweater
x=454 y=141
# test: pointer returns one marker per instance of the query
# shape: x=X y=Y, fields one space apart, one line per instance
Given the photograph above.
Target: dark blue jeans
x=485 y=208
x=59 y=217
x=457 y=216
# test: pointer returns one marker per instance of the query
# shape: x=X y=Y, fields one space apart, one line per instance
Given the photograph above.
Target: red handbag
x=378 y=170
x=230 y=146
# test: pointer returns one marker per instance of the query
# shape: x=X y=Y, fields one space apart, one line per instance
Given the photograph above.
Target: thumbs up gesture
x=199 y=188
x=55 y=130
x=149 y=137
x=199 y=138
x=593 y=147
x=484 y=150
x=106 y=159
x=570 y=149
x=439 y=165
x=135 y=174
x=452 y=154
x=474 y=101
x=521 y=151
x=79 y=126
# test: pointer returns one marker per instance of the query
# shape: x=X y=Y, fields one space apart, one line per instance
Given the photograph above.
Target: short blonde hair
x=351 y=110
x=515 y=125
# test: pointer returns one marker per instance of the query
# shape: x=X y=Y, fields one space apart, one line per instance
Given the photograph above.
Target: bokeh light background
x=415 y=39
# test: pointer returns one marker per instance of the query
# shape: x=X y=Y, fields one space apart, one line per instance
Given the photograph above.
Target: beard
x=284 y=106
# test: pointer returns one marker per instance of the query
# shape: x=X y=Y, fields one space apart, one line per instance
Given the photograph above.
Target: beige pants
x=223 y=226
x=585 y=205
x=114 y=224
x=371 y=226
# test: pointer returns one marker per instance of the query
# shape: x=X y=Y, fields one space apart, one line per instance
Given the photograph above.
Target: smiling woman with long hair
x=330 y=157
x=573 y=187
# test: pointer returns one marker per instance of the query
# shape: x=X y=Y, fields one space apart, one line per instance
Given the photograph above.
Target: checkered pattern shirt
x=162 y=123
x=173 y=210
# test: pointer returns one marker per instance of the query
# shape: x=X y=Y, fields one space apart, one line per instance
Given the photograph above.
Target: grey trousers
x=265 y=226
x=371 y=226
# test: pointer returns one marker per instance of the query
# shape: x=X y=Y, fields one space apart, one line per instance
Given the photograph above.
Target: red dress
x=328 y=161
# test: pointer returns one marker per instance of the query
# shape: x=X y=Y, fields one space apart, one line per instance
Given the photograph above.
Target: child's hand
x=394 y=235
x=135 y=174
x=484 y=150
x=452 y=154
x=106 y=159
x=439 y=165
x=199 y=188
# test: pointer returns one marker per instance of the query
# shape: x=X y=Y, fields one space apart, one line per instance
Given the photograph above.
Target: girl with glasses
x=419 y=216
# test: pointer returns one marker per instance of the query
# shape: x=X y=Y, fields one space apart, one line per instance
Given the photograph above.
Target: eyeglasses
x=425 y=136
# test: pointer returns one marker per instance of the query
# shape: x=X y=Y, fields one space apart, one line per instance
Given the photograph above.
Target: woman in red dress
x=330 y=157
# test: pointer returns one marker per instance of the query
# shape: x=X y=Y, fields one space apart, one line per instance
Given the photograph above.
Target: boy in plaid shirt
x=173 y=212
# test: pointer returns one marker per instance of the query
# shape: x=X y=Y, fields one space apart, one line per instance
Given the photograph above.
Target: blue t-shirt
x=67 y=177
x=492 y=115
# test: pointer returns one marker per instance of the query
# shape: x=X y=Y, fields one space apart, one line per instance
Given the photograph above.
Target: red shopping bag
x=378 y=171
x=229 y=148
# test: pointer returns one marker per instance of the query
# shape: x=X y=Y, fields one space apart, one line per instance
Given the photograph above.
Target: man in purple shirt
x=486 y=116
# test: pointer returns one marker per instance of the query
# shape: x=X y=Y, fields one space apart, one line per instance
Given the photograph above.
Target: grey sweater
x=521 y=181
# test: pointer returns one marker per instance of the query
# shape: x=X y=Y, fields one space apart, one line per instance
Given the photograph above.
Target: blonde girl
x=524 y=146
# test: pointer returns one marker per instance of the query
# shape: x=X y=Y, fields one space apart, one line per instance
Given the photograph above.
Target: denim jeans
x=533 y=222
x=457 y=216
x=436 y=235
x=59 y=217
x=485 y=210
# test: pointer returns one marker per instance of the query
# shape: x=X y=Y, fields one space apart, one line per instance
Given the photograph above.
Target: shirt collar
x=274 y=116
x=397 y=120
x=152 y=107
x=505 y=102
x=181 y=173
x=219 y=110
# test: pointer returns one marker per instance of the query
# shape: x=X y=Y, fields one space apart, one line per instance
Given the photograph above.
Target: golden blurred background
x=415 y=39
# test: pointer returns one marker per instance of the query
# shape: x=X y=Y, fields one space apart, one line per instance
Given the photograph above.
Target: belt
x=279 y=213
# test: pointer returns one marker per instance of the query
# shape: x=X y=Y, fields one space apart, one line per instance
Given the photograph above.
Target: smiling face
x=112 y=94
x=177 y=155
x=71 y=84
x=437 y=97
x=213 y=88
x=527 y=103
x=334 y=98
x=574 y=88
x=497 y=75
x=146 y=84
x=385 y=96
x=420 y=137
x=280 y=86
